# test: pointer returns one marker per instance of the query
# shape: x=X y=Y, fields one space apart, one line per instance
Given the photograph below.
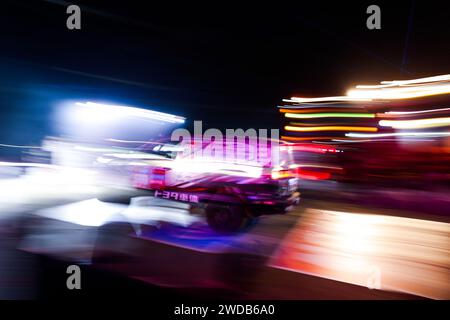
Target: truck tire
x=226 y=218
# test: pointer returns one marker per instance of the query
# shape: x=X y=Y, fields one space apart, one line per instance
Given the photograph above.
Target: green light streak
x=329 y=115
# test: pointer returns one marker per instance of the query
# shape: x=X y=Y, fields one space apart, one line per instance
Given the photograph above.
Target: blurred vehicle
x=231 y=192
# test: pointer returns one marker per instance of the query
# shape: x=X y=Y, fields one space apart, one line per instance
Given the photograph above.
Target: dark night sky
x=225 y=64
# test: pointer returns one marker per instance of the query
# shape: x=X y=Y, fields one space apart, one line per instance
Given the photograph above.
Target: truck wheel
x=223 y=218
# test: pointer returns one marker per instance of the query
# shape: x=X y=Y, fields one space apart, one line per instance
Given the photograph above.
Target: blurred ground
x=330 y=247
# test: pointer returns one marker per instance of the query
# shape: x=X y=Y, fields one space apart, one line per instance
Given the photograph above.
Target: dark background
x=225 y=63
